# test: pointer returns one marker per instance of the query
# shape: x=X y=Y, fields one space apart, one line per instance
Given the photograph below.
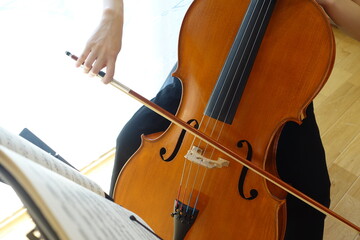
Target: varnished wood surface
x=337 y=109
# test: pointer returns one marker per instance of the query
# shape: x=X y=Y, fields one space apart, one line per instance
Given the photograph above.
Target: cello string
x=237 y=69
x=226 y=76
x=233 y=80
x=251 y=50
x=188 y=172
x=247 y=62
x=180 y=185
x=198 y=168
x=214 y=127
x=193 y=187
x=232 y=63
x=197 y=197
x=187 y=182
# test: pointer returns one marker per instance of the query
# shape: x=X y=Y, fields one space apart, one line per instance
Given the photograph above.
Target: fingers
x=110 y=70
x=93 y=64
x=86 y=60
x=83 y=56
x=89 y=62
x=94 y=59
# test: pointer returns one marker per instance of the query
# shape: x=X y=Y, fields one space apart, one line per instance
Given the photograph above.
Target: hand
x=103 y=46
x=345 y=14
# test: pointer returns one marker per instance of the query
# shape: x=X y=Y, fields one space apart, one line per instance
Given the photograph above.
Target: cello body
x=292 y=64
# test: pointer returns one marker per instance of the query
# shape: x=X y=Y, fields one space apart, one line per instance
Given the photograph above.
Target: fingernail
x=86 y=69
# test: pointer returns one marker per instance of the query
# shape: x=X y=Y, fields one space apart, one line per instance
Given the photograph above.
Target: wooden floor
x=338 y=113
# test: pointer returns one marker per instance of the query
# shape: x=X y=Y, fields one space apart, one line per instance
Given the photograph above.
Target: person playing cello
x=297 y=142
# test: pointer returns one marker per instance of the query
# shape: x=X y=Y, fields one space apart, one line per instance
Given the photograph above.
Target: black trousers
x=300 y=160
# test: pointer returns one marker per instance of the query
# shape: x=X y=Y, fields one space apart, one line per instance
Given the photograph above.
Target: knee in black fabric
x=304 y=222
x=301 y=163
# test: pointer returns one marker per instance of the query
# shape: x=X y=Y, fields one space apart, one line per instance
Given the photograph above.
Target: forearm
x=115 y=7
x=345 y=14
x=113 y=12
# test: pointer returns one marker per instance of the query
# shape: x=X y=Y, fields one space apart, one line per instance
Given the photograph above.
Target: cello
x=247 y=67
x=289 y=63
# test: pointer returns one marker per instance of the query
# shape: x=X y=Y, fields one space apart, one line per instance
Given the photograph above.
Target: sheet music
x=34 y=153
x=80 y=213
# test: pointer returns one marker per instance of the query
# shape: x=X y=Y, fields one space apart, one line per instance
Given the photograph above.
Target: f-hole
x=178 y=144
x=253 y=192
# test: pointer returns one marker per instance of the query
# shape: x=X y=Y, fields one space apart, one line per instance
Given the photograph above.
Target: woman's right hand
x=104 y=45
